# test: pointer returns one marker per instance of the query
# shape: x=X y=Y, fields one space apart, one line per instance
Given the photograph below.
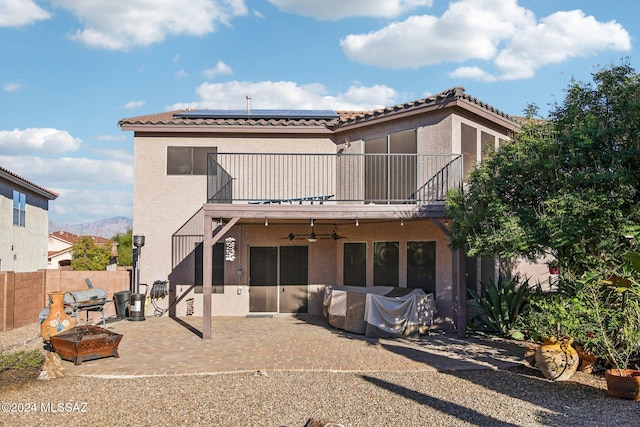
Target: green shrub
x=553 y=314
x=21 y=360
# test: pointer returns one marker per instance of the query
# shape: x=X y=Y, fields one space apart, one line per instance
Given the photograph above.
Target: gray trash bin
x=121 y=300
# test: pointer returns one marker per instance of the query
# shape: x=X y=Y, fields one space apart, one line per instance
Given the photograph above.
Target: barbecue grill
x=88 y=300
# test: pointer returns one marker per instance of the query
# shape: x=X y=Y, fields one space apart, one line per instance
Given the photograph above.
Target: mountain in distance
x=106 y=228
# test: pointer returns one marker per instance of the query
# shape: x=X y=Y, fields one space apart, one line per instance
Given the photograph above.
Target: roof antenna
x=248 y=105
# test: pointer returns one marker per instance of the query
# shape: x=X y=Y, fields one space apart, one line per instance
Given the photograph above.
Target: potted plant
x=615 y=319
x=554 y=267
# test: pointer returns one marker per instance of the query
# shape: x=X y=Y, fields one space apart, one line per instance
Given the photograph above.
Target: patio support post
x=461 y=293
x=207 y=275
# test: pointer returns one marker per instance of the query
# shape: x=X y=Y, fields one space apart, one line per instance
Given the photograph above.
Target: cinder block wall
x=24 y=295
x=109 y=281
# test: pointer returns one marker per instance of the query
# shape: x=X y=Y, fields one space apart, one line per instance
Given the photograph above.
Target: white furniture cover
x=380 y=311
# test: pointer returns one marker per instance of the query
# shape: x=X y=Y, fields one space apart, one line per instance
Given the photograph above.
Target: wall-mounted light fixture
x=266 y=222
x=357 y=222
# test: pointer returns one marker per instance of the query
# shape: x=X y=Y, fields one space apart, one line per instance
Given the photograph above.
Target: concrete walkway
x=160 y=346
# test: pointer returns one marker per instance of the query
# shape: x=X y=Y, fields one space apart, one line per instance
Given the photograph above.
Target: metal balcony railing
x=326 y=178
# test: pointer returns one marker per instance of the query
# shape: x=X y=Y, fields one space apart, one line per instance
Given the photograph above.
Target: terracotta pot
x=57 y=321
x=557 y=360
x=587 y=360
x=623 y=383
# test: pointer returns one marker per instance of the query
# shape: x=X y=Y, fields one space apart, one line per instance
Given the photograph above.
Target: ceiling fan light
x=312 y=238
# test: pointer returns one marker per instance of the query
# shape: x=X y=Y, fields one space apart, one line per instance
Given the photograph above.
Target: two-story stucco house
x=256 y=211
x=24 y=209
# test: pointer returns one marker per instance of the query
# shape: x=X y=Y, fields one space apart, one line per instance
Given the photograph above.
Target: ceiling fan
x=313 y=236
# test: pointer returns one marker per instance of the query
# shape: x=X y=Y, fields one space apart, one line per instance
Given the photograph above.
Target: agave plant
x=498 y=305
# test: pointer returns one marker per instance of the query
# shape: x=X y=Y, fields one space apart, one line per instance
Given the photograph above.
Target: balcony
x=331 y=178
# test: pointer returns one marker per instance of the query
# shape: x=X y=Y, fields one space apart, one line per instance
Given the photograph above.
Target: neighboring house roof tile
x=345 y=118
x=74 y=238
x=7 y=174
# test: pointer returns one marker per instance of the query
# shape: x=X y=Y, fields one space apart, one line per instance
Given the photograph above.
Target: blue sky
x=71 y=69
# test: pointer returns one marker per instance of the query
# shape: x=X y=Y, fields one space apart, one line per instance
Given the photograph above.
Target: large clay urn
x=57 y=321
x=557 y=359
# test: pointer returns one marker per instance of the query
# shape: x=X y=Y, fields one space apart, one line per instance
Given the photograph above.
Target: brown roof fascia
x=305 y=130
x=488 y=113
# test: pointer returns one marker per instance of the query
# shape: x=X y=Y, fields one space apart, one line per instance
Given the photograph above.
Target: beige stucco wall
x=23 y=249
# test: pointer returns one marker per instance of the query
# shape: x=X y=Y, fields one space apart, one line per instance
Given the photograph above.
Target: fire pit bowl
x=86 y=343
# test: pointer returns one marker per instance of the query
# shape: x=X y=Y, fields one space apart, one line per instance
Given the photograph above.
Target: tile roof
x=71 y=238
x=170 y=118
x=6 y=173
x=455 y=93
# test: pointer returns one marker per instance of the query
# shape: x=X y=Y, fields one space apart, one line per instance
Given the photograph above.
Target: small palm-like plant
x=498 y=305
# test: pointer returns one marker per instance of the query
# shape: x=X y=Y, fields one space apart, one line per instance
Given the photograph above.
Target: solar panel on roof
x=258 y=114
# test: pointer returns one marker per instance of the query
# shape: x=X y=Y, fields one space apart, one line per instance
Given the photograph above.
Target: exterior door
x=263 y=274
x=279 y=279
x=294 y=279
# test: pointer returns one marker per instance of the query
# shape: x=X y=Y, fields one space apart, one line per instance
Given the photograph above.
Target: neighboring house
x=24 y=208
x=280 y=204
x=61 y=248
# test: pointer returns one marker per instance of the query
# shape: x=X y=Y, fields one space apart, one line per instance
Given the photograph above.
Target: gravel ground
x=516 y=397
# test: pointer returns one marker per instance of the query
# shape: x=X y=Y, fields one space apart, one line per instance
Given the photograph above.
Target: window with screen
x=386 y=258
x=188 y=160
x=19 y=208
x=421 y=266
x=217 y=285
x=355 y=264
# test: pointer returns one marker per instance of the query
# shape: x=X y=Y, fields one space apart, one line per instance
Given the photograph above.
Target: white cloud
x=556 y=38
x=17 y=13
x=113 y=138
x=70 y=171
x=119 y=25
x=338 y=9
x=220 y=68
x=13 y=86
x=43 y=140
x=474 y=73
x=282 y=94
x=498 y=32
x=133 y=104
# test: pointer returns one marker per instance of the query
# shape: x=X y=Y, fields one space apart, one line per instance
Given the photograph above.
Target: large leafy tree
x=566 y=186
x=86 y=255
